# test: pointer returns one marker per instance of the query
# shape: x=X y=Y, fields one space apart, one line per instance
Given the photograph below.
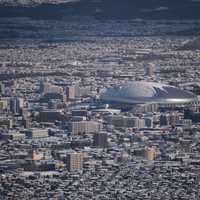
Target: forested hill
x=107 y=9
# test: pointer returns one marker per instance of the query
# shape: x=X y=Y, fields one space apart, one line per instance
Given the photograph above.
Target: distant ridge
x=106 y=9
x=191 y=44
x=33 y=2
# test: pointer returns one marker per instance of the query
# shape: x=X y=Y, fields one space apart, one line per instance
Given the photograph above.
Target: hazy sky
x=35 y=1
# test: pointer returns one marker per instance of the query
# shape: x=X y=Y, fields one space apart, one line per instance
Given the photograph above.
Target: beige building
x=70 y=92
x=37 y=133
x=74 y=161
x=150 y=153
x=85 y=127
x=50 y=88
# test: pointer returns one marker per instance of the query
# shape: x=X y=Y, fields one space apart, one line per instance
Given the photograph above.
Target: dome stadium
x=140 y=92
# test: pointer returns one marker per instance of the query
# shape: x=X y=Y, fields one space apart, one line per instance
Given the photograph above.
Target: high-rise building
x=100 y=139
x=74 y=161
x=70 y=92
x=85 y=127
x=15 y=105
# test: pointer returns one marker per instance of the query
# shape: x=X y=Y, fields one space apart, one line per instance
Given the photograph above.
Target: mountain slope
x=107 y=9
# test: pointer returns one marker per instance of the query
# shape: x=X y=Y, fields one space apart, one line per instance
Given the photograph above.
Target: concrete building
x=150 y=153
x=150 y=70
x=84 y=127
x=74 y=161
x=51 y=116
x=100 y=140
x=16 y=104
x=46 y=88
x=37 y=133
x=148 y=122
x=125 y=122
x=6 y=122
x=70 y=92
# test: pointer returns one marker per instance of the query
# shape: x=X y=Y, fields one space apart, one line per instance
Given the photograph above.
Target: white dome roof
x=147 y=92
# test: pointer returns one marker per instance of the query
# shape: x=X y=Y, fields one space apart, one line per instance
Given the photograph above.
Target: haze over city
x=99 y=99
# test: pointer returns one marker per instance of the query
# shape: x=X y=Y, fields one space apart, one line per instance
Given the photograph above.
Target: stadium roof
x=147 y=92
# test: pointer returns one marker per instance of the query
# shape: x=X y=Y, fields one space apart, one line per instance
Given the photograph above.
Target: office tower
x=100 y=139
x=74 y=161
x=85 y=127
x=15 y=105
